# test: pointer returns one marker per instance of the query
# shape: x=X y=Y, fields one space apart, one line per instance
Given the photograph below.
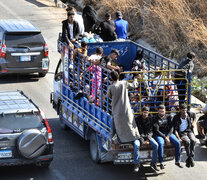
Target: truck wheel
x=94 y=148
x=62 y=123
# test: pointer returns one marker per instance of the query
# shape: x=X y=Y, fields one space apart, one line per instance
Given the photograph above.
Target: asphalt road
x=71 y=152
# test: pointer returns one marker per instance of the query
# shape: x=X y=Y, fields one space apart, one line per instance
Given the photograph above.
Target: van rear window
x=26 y=38
x=20 y=121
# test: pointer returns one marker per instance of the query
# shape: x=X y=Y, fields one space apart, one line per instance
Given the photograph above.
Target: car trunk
x=24 y=50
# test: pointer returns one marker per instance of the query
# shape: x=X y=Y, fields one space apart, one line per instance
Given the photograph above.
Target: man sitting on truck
x=202 y=124
x=145 y=126
x=163 y=132
x=184 y=123
x=124 y=121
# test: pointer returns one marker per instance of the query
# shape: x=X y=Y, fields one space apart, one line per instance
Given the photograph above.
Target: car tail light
x=49 y=131
x=3 y=51
x=46 y=50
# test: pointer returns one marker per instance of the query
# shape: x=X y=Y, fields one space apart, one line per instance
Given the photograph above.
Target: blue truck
x=93 y=121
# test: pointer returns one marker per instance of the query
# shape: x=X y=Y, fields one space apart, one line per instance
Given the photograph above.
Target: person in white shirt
x=183 y=123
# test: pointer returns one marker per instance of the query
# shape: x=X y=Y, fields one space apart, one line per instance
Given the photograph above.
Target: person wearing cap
x=180 y=76
x=121 y=26
x=202 y=124
x=145 y=125
x=107 y=29
x=112 y=57
x=163 y=132
x=70 y=29
x=123 y=117
x=183 y=124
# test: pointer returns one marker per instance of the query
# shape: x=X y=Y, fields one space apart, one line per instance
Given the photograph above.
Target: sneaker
x=199 y=136
x=154 y=166
x=192 y=163
x=187 y=162
x=178 y=164
x=162 y=166
x=136 y=167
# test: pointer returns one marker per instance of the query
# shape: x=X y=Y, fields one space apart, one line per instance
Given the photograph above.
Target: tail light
x=49 y=131
x=46 y=50
x=3 y=51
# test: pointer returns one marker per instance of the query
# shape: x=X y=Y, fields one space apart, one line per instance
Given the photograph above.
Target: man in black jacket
x=145 y=125
x=70 y=30
x=187 y=65
x=183 y=123
x=163 y=133
x=107 y=29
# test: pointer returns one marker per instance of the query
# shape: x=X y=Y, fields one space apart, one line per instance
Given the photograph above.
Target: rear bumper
x=22 y=161
x=21 y=70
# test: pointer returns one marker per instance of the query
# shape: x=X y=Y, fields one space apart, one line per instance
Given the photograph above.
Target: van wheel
x=62 y=123
x=42 y=74
x=94 y=148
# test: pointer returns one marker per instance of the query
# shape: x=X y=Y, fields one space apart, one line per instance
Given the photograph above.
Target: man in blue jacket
x=121 y=26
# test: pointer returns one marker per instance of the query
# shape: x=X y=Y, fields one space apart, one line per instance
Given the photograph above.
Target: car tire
x=31 y=143
x=94 y=148
x=62 y=124
x=42 y=74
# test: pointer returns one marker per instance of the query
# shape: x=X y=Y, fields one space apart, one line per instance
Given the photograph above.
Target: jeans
x=155 y=150
x=136 y=151
x=173 y=139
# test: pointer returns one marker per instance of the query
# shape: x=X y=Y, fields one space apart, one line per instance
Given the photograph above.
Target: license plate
x=45 y=64
x=6 y=154
x=125 y=155
x=25 y=58
x=145 y=154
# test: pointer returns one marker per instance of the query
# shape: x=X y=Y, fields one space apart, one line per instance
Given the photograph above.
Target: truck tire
x=31 y=143
x=62 y=123
x=94 y=148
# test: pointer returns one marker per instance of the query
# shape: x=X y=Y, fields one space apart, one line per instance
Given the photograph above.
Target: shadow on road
x=200 y=153
x=37 y=3
x=17 y=78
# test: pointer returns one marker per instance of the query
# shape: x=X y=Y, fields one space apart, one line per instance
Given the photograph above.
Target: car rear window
x=20 y=121
x=24 y=39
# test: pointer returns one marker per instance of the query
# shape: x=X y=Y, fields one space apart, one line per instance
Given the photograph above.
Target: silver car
x=25 y=134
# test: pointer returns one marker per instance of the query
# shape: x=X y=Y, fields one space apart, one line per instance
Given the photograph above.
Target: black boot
x=188 y=162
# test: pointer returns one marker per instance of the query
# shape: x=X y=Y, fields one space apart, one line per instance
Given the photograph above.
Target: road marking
x=59 y=175
x=10 y=11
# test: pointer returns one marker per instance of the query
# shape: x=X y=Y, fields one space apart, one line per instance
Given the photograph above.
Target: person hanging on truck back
x=121 y=26
x=145 y=126
x=70 y=30
x=163 y=133
x=187 y=65
x=183 y=123
x=124 y=121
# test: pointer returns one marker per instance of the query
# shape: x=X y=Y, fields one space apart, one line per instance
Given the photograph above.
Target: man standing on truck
x=187 y=65
x=145 y=126
x=163 y=132
x=124 y=121
x=183 y=123
x=121 y=26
